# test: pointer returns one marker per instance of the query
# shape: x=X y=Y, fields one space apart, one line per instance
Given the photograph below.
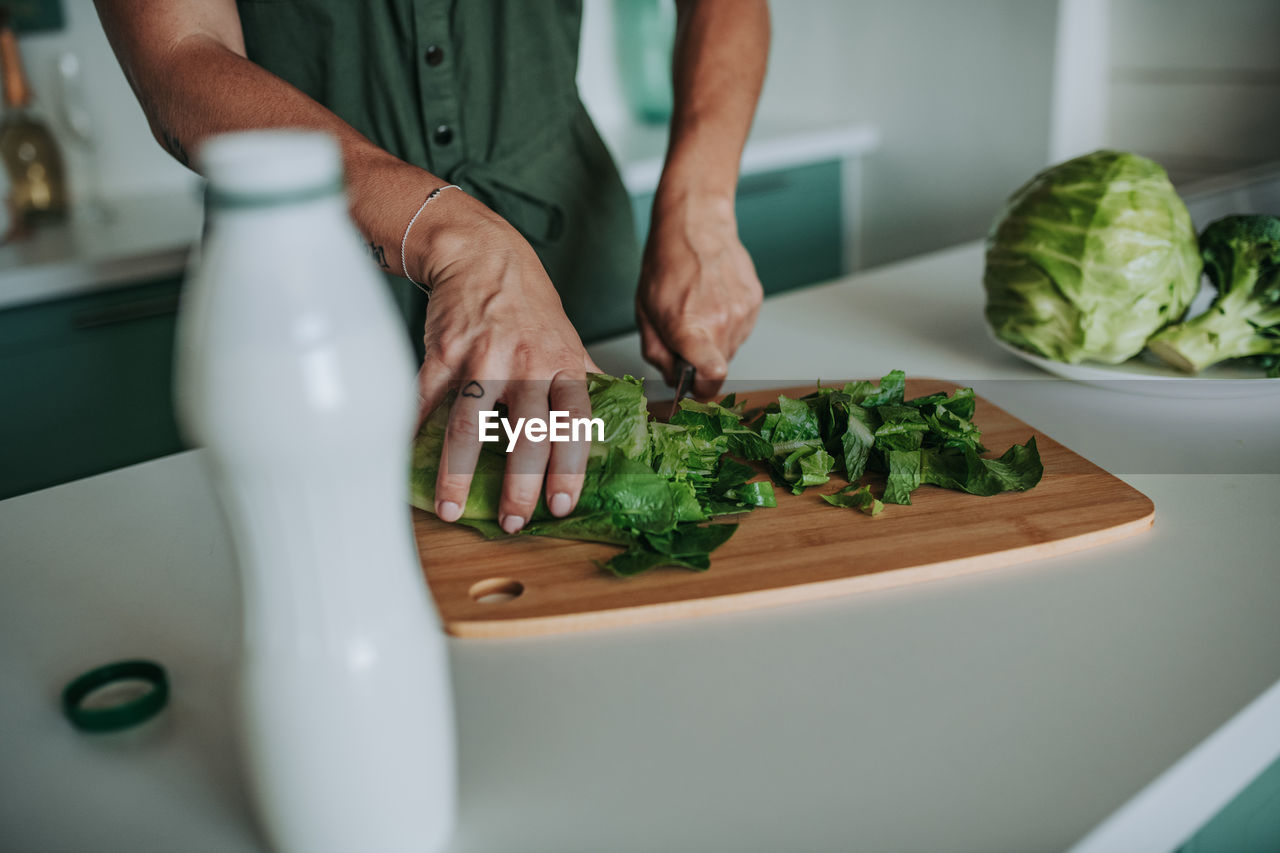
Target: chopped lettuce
x=653 y=488
x=868 y=427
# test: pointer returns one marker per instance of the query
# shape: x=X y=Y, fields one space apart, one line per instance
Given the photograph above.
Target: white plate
x=1146 y=374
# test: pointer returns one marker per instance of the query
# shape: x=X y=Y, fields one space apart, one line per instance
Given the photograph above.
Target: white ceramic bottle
x=295 y=375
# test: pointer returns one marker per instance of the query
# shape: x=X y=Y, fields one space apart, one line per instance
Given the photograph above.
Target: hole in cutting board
x=496 y=590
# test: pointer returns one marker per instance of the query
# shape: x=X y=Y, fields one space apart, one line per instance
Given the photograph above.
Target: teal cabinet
x=790 y=222
x=86 y=385
x=1249 y=824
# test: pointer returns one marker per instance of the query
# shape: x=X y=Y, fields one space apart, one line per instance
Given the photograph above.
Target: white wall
x=132 y=163
x=1196 y=85
x=599 y=83
x=960 y=90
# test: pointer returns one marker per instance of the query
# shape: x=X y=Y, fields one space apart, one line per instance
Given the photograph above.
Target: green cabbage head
x=1090 y=258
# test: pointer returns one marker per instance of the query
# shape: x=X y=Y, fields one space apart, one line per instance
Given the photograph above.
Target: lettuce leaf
x=856 y=497
x=649 y=487
x=620 y=402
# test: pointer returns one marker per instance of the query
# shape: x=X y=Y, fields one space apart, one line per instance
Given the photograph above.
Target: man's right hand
x=496 y=332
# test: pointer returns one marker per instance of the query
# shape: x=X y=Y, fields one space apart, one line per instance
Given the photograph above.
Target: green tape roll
x=124 y=714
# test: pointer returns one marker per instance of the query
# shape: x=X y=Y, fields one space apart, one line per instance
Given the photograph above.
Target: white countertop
x=1014 y=709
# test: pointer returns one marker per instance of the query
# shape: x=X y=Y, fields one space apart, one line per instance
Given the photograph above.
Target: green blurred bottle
x=645 y=32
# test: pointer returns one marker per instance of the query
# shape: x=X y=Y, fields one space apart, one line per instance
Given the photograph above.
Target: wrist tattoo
x=379 y=255
x=174 y=146
x=473 y=389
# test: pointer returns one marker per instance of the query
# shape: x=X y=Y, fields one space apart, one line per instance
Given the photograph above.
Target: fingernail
x=448 y=511
x=561 y=503
x=512 y=523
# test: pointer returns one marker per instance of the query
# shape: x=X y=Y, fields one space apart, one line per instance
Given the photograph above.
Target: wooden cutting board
x=803 y=549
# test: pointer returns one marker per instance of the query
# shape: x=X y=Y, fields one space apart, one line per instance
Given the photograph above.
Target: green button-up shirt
x=483 y=94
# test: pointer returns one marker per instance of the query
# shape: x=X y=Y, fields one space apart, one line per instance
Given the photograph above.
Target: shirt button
x=434 y=55
x=443 y=135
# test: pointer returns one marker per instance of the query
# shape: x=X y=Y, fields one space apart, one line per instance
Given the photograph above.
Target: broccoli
x=1242 y=257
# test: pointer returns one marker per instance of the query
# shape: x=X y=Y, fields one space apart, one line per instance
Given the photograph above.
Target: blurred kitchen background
x=887 y=128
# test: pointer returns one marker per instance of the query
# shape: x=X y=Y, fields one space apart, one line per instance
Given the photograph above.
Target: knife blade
x=686 y=373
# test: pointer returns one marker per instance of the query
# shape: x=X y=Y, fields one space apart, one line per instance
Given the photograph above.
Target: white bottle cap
x=261 y=163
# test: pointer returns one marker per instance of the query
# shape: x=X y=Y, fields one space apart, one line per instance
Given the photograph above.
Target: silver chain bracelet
x=404 y=241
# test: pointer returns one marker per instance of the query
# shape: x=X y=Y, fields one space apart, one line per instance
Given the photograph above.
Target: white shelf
x=145 y=237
